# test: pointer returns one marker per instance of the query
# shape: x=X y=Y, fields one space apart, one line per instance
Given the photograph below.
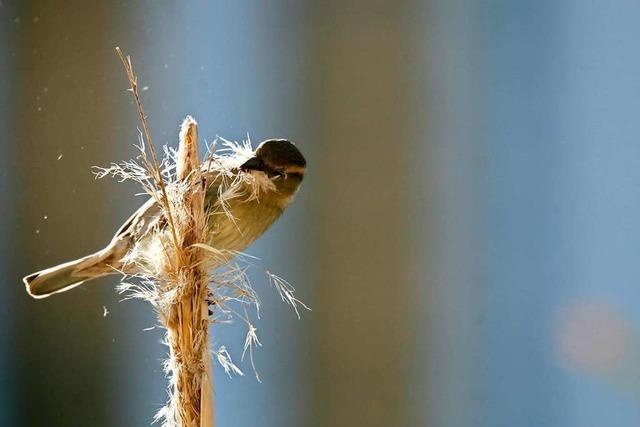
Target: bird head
x=280 y=162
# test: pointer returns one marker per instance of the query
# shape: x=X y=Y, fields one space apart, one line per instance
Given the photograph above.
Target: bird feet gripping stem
x=211 y=301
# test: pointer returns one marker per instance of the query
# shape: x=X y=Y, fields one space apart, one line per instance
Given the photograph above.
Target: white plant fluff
x=175 y=275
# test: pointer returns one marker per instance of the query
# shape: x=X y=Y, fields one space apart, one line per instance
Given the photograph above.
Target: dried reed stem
x=152 y=166
x=187 y=319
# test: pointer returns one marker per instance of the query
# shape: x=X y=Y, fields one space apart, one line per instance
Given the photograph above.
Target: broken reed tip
x=188 y=159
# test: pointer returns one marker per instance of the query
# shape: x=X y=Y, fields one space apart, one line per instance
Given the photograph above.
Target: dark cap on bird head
x=281 y=152
x=277 y=154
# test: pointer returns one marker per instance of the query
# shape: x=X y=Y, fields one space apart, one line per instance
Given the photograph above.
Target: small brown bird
x=268 y=181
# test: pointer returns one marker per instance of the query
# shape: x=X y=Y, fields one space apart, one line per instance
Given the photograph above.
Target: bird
x=263 y=186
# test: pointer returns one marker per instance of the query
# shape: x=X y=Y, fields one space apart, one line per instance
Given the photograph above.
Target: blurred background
x=467 y=235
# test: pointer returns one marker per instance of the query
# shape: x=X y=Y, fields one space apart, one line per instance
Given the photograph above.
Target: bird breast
x=243 y=223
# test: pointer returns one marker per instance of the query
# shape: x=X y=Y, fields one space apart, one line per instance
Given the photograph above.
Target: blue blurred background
x=467 y=234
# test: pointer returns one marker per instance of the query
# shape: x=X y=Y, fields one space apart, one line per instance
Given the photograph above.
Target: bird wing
x=151 y=215
x=141 y=221
x=150 y=218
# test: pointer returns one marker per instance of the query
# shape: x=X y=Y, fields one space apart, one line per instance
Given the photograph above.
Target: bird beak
x=254 y=163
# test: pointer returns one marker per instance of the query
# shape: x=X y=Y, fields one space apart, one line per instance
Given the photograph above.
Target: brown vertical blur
x=363 y=200
x=64 y=128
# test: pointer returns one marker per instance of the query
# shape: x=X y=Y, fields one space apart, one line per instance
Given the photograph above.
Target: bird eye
x=277 y=173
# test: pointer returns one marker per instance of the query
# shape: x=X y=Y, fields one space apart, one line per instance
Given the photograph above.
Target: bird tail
x=64 y=276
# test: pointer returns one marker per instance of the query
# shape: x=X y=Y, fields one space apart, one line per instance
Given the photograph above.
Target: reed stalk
x=186 y=315
x=174 y=279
